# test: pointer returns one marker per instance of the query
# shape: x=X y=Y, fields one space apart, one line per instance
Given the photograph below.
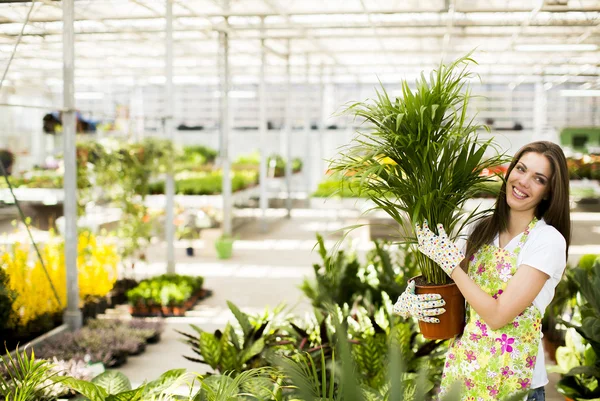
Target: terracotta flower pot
x=452 y=322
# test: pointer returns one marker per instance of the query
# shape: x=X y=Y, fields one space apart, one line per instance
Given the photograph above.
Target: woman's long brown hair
x=554 y=209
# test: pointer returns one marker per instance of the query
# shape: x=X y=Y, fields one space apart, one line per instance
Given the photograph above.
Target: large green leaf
x=113 y=382
x=133 y=395
x=256 y=348
x=89 y=390
x=210 y=349
x=167 y=380
x=241 y=318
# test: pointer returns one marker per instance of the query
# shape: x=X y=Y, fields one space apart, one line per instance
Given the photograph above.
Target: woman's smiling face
x=528 y=182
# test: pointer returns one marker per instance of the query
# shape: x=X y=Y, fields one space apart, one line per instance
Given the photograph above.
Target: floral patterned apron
x=493 y=364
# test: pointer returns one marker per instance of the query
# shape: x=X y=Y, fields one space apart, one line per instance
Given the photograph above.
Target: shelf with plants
x=31 y=305
x=166 y=295
x=106 y=341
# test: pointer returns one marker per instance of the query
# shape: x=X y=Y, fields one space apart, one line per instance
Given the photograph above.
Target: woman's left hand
x=439 y=248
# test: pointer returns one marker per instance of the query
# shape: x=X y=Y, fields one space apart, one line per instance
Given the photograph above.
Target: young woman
x=508 y=272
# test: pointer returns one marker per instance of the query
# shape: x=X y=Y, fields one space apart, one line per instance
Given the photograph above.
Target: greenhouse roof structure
x=122 y=41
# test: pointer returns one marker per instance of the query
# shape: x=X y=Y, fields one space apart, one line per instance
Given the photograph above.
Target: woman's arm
x=520 y=292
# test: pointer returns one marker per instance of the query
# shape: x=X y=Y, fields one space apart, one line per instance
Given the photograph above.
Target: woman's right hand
x=423 y=306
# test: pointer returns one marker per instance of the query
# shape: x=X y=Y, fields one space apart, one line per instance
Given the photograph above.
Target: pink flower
x=505 y=343
x=469 y=383
x=498 y=293
x=451 y=356
x=531 y=361
x=525 y=383
x=493 y=390
x=481 y=269
x=470 y=356
x=475 y=337
x=507 y=372
x=493 y=350
x=515 y=324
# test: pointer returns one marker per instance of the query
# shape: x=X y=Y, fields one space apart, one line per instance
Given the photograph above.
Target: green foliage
x=336 y=186
x=236 y=350
x=581 y=355
x=24 y=378
x=165 y=290
x=7 y=297
x=207 y=183
x=115 y=386
x=343 y=279
x=196 y=155
x=421 y=157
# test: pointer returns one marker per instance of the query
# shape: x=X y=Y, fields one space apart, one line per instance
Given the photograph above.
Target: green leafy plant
x=421 y=157
x=227 y=350
x=115 y=386
x=7 y=297
x=342 y=279
x=165 y=290
x=25 y=378
x=582 y=353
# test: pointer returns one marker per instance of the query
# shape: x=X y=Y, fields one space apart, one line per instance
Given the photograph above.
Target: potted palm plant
x=421 y=159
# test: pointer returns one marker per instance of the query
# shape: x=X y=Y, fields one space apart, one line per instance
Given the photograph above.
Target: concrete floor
x=265 y=270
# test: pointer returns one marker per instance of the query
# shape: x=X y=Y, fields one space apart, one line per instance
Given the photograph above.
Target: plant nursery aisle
x=264 y=271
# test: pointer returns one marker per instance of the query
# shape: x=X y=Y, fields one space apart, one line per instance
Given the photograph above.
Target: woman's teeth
x=518 y=194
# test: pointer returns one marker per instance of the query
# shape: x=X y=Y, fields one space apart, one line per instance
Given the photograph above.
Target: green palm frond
x=419 y=156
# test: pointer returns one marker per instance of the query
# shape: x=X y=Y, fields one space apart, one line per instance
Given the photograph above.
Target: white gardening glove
x=439 y=248
x=420 y=306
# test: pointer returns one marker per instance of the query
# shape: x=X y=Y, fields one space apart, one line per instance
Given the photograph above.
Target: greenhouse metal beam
x=307 y=145
x=463 y=10
x=224 y=131
x=169 y=133
x=262 y=126
x=72 y=316
x=288 y=133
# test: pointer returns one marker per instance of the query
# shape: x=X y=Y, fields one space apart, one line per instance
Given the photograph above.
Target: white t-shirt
x=545 y=250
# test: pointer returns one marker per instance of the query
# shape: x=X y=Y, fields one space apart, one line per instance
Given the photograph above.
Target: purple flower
x=475 y=337
x=507 y=372
x=470 y=356
x=498 y=293
x=505 y=343
x=515 y=324
x=493 y=390
x=469 y=383
x=525 y=383
x=531 y=362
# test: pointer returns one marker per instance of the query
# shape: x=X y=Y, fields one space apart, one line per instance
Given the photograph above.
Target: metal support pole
x=539 y=107
x=288 y=132
x=170 y=182
x=307 y=154
x=321 y=131
x=72 y=316
x=224 y=131
x=262 y=124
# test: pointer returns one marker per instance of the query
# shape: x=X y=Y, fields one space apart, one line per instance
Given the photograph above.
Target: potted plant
x=421 y=159
x=185 y=232
x=224 y=246
x=579 y=360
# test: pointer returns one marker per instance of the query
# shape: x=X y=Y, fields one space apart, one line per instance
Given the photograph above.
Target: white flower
x=505 y=274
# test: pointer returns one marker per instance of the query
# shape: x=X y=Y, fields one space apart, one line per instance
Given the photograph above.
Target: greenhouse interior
x=271 y=200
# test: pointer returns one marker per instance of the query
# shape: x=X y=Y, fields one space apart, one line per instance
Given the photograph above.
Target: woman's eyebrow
x=535 y=173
